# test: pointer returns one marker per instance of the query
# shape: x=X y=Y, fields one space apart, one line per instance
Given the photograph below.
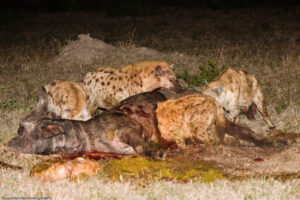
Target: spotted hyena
x=106 y=86
x=196 y=117
x=237 y=91
x=61 y=99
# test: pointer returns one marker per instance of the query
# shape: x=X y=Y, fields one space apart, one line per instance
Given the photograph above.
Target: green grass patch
x=208 y=74
x=281 y=107
x=145 y=169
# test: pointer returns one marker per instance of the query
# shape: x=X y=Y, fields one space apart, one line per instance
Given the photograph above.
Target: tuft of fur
x=107 y=86
x=238 y=92
x=196 y=117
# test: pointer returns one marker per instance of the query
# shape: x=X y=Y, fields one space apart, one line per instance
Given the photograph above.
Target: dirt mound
x=82 y=51
x=87 y=50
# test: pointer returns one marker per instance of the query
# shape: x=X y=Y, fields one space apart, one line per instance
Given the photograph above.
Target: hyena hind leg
x=234 y=111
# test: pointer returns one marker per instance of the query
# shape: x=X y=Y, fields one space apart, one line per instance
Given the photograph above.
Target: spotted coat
x=107 y=86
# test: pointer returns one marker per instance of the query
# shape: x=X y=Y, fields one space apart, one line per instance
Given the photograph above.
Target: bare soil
x=240 y=161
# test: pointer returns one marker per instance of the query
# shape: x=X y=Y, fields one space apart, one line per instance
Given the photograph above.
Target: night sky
x=66 y=5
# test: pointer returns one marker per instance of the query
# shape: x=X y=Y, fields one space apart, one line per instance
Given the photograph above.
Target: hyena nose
x=177 y=87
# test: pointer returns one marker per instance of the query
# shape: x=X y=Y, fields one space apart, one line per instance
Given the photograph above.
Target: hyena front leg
x=259 y=102
x=234 y=111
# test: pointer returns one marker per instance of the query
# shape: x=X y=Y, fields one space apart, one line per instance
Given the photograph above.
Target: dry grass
x=265 y=42
x=12 y=185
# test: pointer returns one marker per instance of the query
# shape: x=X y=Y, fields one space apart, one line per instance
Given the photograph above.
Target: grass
x=207 y=75
x=264 y=42
x=96 y=188
x=148 y=170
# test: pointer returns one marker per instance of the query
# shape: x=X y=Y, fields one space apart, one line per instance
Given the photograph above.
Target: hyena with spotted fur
x=107 y=86
x=196 y=117
x=62 y=99
x=237 y=91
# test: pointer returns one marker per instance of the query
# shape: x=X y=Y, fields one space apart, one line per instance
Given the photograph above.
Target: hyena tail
x=220 y=123
x=245 y=133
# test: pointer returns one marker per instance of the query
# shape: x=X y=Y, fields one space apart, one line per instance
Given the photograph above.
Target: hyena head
x=162 y=75
x=214 y=90
x=219 y=87
x=41 y=110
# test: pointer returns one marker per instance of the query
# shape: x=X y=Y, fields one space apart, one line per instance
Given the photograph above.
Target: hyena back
x=237 y=91
x=196 y=117
x=106 y=86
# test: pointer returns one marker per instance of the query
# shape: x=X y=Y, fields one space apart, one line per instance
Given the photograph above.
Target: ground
x=264 y=42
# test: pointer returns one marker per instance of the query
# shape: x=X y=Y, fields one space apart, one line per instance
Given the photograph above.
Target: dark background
x=65 y=5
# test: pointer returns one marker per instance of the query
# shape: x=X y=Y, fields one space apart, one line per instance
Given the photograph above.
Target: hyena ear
x=42 y=97
x=41 y=106
x=158 y=70
x=172 y=66
x=218 y=89
x=50 y=130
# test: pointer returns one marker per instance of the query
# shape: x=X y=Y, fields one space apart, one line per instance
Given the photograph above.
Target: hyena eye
x=171 y=79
